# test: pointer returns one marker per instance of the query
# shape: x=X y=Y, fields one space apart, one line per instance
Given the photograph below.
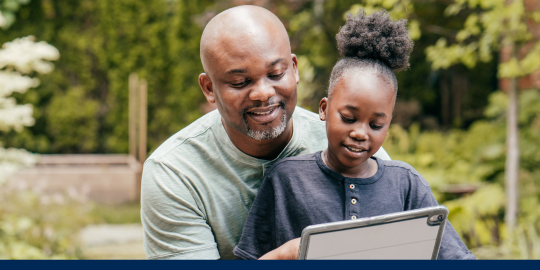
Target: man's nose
x=262 y=91
x=359 y=133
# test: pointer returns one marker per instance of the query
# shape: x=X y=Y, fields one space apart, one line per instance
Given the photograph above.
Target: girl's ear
x=323 y=106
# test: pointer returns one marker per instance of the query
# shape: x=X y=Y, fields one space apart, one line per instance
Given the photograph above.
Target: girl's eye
x=240 y=84
x=347 y=120
x=376 y=126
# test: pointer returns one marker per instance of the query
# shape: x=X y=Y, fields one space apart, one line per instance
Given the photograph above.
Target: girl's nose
x=359 y=133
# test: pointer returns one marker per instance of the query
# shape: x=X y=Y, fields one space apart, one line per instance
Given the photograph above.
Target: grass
x=117 y=214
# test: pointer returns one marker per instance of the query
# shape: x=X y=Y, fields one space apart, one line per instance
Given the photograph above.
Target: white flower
x=13 y=116
x=12 y=160
x=25 y=55
x=14 y=82
x=22 y=55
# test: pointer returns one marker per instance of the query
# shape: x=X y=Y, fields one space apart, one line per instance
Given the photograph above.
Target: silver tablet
x=414 y=235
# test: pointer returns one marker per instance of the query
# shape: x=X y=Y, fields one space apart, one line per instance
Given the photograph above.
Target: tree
x=7 y=11
x=82 y=106
x=425 y=95
x=493 y=25
x=21 y=56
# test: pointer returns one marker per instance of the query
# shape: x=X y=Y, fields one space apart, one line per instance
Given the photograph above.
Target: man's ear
x=295 y=67
x=323 y=107
x=207 y=88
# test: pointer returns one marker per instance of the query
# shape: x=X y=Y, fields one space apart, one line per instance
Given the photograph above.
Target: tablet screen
x=407 y=239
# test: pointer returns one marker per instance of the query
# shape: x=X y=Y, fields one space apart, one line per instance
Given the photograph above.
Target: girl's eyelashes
x=352 y=120
x=376 y=127
x=346 y=119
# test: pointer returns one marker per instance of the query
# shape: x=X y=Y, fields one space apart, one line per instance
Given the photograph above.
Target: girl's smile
x=357 y=114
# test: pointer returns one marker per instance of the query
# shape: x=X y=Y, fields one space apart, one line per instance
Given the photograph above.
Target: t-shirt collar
x=360 y=181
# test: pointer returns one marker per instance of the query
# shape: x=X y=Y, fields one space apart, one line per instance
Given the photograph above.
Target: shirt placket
x=352 y=199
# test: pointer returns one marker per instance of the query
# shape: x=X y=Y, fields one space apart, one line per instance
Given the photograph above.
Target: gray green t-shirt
x=197 y=187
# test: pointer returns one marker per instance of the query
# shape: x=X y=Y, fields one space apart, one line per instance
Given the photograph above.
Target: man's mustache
x=263 y=104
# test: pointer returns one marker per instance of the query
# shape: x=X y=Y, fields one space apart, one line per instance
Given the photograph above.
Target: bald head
x=251 y=76
x=239 y=28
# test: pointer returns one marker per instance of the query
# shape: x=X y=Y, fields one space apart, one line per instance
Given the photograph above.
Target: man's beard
x=270 y=133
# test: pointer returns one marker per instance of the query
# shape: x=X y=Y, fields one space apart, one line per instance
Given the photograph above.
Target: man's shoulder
x=293 y=163
x=300 y=158
x=311 y=129
x=400 y=168
x=311 y=118
x=198 y=130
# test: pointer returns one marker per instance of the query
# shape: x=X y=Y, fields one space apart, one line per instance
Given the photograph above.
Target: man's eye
x=347 y=120
x=277 y=76
x=240 y=84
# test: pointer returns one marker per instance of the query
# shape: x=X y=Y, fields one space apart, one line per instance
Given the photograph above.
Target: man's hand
x=288 y=251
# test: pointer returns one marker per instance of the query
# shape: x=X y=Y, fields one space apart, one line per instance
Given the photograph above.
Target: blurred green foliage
x=475 y=159
x=489 y=27
x=312 y=27
x=82 y=106
x=522 y=244
x=40 y=226
x=37 y=225
x=8 y=8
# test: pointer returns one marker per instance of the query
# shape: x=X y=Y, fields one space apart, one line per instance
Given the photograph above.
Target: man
x=198 y=186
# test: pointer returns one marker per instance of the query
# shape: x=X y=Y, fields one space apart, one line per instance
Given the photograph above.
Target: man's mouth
x=263 y=115
x=263 y=110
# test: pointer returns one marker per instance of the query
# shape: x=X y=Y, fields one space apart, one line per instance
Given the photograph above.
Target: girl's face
x=357 y=115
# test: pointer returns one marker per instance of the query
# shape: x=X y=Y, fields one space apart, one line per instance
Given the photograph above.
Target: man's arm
x=174 y=226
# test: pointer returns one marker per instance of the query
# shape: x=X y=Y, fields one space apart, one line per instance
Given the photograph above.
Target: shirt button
x=353 y=201
x=353 y=217
x=351 y=186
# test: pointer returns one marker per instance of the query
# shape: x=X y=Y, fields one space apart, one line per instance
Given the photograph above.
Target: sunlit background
x=90 y=88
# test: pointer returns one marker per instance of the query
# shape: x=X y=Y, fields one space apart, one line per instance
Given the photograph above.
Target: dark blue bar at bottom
x=275 y=265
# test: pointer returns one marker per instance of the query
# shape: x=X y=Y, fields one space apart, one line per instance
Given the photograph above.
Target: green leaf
x=531 y=62
x=453 y=9
x=510 y=69
x=414 y=29
x=536 y=16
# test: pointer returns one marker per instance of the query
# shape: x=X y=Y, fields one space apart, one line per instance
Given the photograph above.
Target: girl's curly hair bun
x=376 y=37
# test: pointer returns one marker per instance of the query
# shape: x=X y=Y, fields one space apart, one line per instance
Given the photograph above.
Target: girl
x=345 y=181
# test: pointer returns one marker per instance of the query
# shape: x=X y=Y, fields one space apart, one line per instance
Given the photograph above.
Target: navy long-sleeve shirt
x=301 y=191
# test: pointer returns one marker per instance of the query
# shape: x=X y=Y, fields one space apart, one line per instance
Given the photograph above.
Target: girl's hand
x=288 y=251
